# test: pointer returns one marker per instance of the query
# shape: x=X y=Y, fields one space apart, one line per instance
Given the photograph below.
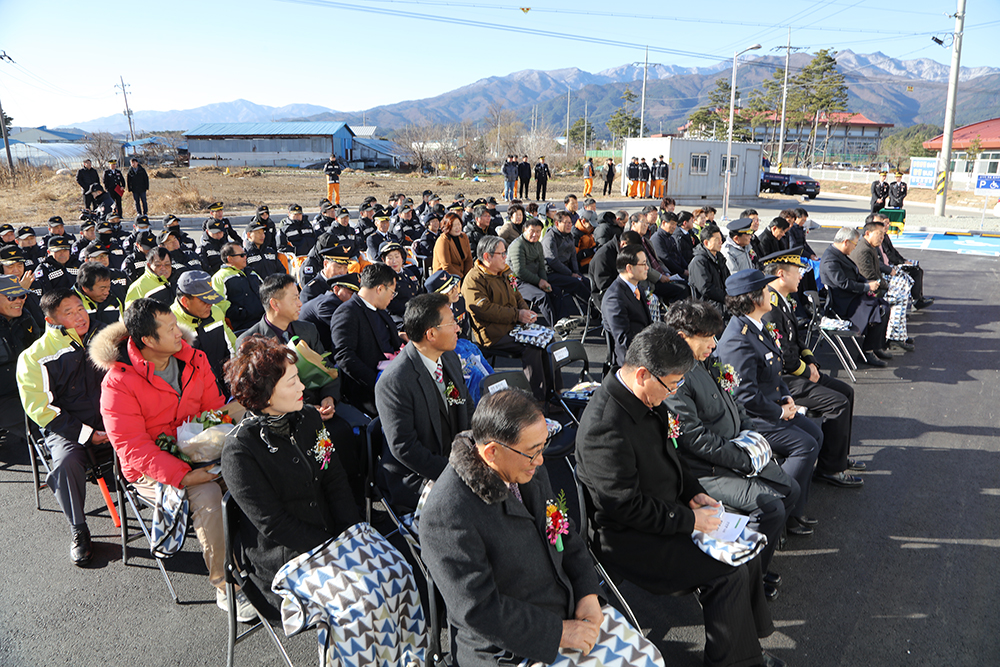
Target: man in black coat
x=364 y=335
x=542 y=174
x=512 y=593
x=114 y=184
x=610 y=228
x=86 y=177
x=624 y=309
x=319 y=310
x=685 y=236
x=138 y=184
x=707 y=271
x=18 y=330
x=880 y=193
x=911 y=268
x=772 y=240
x=665 y=246
x=646 y=504
x=853 y=298
x=523 y=177
x=897 y=192
x=423 y=401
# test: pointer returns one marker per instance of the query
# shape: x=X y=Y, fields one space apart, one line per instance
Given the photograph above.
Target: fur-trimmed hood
x=110 y=345
x=471 y=469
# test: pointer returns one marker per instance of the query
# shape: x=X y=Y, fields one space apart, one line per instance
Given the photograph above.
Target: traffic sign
x=988 y=186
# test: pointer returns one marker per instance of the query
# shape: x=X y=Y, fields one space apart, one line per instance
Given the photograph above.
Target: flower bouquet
x=201 y=439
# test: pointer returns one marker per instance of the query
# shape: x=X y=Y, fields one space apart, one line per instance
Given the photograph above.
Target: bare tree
x=418 y=142
x=101 y=147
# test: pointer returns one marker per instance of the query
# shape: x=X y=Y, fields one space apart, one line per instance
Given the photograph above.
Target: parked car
x=789 y=184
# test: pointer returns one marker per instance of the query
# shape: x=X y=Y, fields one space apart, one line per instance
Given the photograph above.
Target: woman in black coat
x=280 y=464
x=707 y=271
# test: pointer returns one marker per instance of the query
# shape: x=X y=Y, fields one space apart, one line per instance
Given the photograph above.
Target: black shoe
x=807 y=521
x=854 y=464
x=772 y=579
x=902 y=344
x=770 y=592
x=81 y=550
x=883 y=354
x=922 y=303
x=841 y=479
x=797 y=529
x=771 y=661
x=872 y=360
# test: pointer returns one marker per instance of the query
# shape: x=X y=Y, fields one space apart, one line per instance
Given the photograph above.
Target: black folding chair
x=816 y=334
x=41 y=460
x=127 y=493
x=232 y=517
x=561 y=354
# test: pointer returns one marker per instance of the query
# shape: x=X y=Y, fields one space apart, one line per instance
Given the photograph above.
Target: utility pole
x=567 y=121
x=642 y=104
x=585 y=126
x=128 y=112
x=784 y=95
x=944 y=160
x=3 y=125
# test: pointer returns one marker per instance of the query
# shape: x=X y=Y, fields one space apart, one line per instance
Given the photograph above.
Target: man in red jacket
x=155 y=381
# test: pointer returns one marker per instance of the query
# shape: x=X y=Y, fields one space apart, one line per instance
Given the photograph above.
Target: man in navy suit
x=624 y=310
x=364 y=335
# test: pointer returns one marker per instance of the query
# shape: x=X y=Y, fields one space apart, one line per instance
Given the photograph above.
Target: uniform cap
x=198 y=284
x=388 y=246
x=55 y=220
x=25 y=232
x=10 y=288
x=351 y=281
x=746 y=281
x=294 y=208
x=10 y=254
x=441 y=281
x=217 y=206
x=741 y=226
x=96 y=248
x=58 y=243
x=790 y=256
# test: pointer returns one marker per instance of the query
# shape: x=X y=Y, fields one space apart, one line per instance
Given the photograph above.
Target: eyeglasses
x=242 y=254
x=453 y=323
x=641 y=264
x=680 y=383
x=501 y=254
x=531 y=457
x=16 y=298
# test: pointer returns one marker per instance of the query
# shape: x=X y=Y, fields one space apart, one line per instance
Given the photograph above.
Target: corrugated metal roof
x=383 y=146
x=364 y=131
x=267 y=129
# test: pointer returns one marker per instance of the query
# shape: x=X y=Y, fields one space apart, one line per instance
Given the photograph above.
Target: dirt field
x=189 y=191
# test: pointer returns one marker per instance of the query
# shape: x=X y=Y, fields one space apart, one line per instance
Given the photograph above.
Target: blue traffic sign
x=987 y=185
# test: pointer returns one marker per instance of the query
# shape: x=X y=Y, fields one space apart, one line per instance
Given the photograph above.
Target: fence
x=962 y=178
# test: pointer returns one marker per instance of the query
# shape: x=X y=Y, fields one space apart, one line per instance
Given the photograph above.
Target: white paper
x=499 y=386
x=731 y=527
x=560 y=354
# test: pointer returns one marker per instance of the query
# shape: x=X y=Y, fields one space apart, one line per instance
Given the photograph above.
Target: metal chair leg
x=836 y=350
x=618 y=595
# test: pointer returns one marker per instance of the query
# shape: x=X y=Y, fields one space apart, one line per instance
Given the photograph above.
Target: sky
x=68 y=56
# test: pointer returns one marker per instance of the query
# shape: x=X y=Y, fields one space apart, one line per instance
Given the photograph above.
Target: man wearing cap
x=326 y=219
x=880 y=192
x=754 y=352
x=106 y=235
x=114 y=184
x=88 y=234
x=18 y=330
x=7 y=235
x=263 y=216
x=542 y=174
x=319 y=310
x=736 y=249
x=154 y=283
x=379 y=236
x=406 y=227
x=135 y=261
x=818 y=392
x=99 y=296
x=332 y=170
x=87 y=176
x=197 y=311
x=138 y=185
x=442 y=282
x=104 y=204
x=366 y=221
x=180 y=259
x=173 y=223
x=239 y=288
x=336 y=260
x=215 y=212
x=58 y=269
x=424 y=247
x=409 y=282
x=211 y=246
x=101 y=253
x=295 y=234
x=261 y=259
x=897 y=192
x=632 y=174
x=56 y=228
x=12 y=262
x=140 y=225
x=61 y=392
x=28 y=244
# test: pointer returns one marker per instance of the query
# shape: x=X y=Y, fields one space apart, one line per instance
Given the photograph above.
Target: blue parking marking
x=961 y=243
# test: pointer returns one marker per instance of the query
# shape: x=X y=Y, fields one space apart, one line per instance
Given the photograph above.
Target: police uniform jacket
x=408 y=285
x=897 y=193
x=51 y=275
x=263 y=260
x=795 y=359
x=407 y=230
x=16 y=336
x=230 y=232
x=757 y=359
x=133 y=266
x=210 y=253
x=44 y=241
x=322 y=224
x=107 y=312
x=376 y=239
x=241 y=290
x=542 y=172
x=211 y=336
x=880 y=191
x=298 y=236
x=187 y=243
x=661 y=171
x=112 y=179
x=425 y=245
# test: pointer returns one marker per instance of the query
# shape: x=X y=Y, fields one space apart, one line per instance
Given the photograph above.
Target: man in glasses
x=512 y=592
x=239 y=287
x=625 y=307
x=645 y=502
x=18 y=330
x=423 y=401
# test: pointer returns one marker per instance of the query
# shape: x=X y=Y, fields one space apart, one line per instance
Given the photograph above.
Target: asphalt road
x=900 y=572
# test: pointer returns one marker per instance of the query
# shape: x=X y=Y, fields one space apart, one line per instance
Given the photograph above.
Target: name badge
x=769 y=355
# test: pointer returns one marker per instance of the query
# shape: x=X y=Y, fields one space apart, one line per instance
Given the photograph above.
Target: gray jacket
x=560 y=252
x=737 y=257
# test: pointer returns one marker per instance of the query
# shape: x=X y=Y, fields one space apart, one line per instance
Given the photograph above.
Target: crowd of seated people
x=117 y=337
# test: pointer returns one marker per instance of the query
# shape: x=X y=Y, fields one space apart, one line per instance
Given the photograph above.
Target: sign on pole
x=987 y=186
x=922 y=171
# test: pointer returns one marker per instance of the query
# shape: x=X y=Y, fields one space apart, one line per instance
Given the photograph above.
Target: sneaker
x=245 y=613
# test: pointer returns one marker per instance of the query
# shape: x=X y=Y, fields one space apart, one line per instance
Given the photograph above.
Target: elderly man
x=61 y=392
x=854 y=298
x=913 y=269
x=479 y=227
x=239 y=288
x=867 y=254
x=646 y=503
x=423 y=401
x=197 y=311
x=512 y=594
x=665 y=245
x=496 y=307
x=562 y=266
x=526 y=258
x=736 y=249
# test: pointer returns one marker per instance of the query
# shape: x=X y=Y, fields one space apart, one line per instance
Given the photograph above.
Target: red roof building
x=988 y=132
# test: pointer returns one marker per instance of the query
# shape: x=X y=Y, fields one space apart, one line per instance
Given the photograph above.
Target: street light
x=729 y=144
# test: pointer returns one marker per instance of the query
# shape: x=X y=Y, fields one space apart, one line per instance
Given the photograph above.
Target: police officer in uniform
x=409 y=282
x=113 y=182
x=106 y=236
x=172 y=222
x=100 y=253
x=58 y=269
x=542 y=173
x=880 y=193
x=215 y=212
x=327 y=218
x=28 y=243
x=56 y=228
x=7 y=234
x=88 y=234
x=12 y=262
x=295 y=234
x=135 y=261
x=897 y=191
x=831 y=398
x=211 y=245
x=140 y=226
x=407 y=229
x=261 y=259
x=263 y=215
x=181 y=260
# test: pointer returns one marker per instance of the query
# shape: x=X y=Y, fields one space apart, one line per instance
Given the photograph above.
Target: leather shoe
x=922 y=303
x=81 y=550
x=872 y=360
x=883 y=354
x=771 y=661
x=807 y=521
x=854 y=464
x=797 y=529
x=770 y=592
x=772 y=579
x=902 y=345
x=841 y=479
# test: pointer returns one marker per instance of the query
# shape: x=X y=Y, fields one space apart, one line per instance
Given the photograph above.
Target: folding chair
x=594 y=304
x=232 y=516
x=501 y=380
x=562 y=354
x=41 y=460
x=584 y=528
x=816 y=334
x=373 y=494
x=128 y=493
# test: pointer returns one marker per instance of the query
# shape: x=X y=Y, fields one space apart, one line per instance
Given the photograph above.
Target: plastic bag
x=202 y=445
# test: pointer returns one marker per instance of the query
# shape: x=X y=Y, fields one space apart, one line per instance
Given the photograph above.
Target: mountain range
x=887 y=90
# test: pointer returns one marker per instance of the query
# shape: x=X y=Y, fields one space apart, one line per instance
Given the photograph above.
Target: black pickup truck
x=789 y=184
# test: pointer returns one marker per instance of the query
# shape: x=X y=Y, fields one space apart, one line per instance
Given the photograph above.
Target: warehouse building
x=297 y=144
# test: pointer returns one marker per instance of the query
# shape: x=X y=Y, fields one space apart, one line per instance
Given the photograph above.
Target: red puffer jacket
x=138 y=406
